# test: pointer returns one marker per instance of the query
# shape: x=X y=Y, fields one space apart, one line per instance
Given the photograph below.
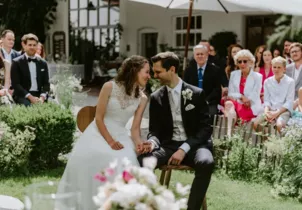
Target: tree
x=28 y=16
x=222 y=40
x=287 y=27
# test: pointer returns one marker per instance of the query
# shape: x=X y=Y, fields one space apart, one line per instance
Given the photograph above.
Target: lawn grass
x=223 y=194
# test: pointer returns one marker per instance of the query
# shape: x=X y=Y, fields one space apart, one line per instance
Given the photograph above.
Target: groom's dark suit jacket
x=20 y=76
x=197 y=122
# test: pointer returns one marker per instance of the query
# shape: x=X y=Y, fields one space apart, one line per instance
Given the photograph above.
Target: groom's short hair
x=167 y=59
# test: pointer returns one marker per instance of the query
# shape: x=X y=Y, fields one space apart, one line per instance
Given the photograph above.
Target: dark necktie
x=31 y=60
x=200 y=77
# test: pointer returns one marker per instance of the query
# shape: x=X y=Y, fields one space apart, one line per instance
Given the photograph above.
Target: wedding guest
x=219 y=62
x=276 y=53
x=180 y=126
x=204 y=76
x=265 y=68
x=29 y=75
x=298 y=102
x=232 y=51
x=244 y=89
x=293 y=70
x=258 y=54
x=286 y=51
x=212 y=51
x=8 y=42
x=41 y=50
x=5 y=80
x=278 y=96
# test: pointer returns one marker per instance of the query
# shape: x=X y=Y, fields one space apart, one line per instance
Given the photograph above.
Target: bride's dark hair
x=127 y=75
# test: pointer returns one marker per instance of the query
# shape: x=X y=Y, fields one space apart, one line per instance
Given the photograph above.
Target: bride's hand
x=116 y=145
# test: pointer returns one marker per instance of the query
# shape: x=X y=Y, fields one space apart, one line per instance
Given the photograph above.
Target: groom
x=180 y=126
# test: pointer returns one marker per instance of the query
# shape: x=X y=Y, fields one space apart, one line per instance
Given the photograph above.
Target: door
x=149 y=44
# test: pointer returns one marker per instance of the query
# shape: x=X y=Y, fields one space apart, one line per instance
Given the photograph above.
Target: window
x=180 y=31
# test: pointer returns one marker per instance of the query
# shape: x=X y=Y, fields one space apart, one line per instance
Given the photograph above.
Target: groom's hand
x=145 y=147
x=177 y=157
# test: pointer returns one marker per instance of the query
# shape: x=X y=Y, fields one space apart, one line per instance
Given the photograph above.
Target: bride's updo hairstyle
x=127 y=75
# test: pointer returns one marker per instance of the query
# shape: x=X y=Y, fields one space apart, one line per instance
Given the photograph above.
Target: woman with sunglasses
x=244 y=89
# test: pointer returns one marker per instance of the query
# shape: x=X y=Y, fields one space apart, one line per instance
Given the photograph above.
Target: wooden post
x=188 y=35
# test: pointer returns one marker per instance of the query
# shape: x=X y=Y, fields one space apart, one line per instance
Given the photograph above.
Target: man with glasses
x=293 y=70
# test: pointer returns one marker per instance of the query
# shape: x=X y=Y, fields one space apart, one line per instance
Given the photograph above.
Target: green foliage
x=15 y=148
x=287 y=27
x=54 y=129
x=66 y=88
x=30 y=16
x=277 y=161
x=222 y=40
x=242 y=159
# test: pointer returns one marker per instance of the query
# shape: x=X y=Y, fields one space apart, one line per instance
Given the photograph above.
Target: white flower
x=168 y=196
x=126 y=162
x=187 y=94
x=182 y=190
x=142 y=206
x=150 y=162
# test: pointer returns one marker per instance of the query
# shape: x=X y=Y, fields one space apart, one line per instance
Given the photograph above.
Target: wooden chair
x=166 y=172
x=85 y=116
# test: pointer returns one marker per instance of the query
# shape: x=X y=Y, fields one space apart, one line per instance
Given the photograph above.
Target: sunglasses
x=242 y=61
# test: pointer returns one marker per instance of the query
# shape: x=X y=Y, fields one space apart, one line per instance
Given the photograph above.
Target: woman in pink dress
x=244 y=89
x=265 y=68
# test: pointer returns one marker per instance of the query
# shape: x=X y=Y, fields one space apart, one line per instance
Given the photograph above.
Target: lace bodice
x=120 y=107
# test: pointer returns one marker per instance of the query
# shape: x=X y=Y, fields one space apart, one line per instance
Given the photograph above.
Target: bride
x=106 y=138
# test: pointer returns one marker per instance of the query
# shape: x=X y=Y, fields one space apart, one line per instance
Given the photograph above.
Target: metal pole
x=188 y=35
x=108 y=20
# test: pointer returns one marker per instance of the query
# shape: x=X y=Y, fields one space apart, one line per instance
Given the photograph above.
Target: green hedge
x=15 y=148
x=54 y=128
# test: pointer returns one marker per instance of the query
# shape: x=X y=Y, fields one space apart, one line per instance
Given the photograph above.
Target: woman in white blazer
x=244 y=89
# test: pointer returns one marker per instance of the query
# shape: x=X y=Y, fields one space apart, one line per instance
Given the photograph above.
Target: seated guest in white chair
x=279 y=94
x=244 y=90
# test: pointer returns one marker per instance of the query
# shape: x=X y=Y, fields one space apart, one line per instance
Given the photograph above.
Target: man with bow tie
x=29 y=75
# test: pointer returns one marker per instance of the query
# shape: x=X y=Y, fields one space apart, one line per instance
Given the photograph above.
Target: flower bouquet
x=137 y=188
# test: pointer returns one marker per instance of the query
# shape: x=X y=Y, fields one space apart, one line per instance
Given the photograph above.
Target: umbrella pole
x=188 y=36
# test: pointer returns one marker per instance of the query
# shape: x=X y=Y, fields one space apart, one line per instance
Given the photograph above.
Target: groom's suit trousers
x=200 y=159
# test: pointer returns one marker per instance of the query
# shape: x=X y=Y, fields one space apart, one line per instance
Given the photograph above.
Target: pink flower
x=100 y=177
x=109 y=171
x=127 y=176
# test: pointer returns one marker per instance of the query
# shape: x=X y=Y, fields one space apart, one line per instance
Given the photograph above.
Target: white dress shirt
x=203 y=68
x=179 y=133
x=278 y=95
x=7 y=56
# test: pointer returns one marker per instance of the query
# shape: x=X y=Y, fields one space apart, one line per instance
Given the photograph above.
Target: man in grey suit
x=294 y=69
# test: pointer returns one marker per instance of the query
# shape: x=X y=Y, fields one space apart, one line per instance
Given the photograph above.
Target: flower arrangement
x=65 y=87
x=6 y=99
x=137 y=188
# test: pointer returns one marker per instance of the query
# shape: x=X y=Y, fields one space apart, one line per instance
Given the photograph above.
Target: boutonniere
x=187 y=94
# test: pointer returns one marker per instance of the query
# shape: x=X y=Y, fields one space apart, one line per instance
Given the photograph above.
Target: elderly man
x=205 y=75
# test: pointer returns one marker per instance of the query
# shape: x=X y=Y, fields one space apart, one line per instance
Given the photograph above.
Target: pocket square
x=189 y=107
x=42 y=69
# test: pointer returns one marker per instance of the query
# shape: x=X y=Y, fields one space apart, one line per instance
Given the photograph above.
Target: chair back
x=85 y=117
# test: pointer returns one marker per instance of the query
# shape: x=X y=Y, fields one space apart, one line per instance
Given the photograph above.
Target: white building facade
x=146 y=27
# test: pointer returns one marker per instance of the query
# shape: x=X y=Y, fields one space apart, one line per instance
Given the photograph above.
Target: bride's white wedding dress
x=91 y=152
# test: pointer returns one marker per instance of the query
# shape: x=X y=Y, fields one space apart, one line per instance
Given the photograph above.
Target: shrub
x=222 y=40
x=15 y=148
x=54 y=128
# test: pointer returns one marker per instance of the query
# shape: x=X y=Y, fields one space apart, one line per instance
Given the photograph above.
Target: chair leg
x=204 y=204
x=168 y=177
x=162 y=177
